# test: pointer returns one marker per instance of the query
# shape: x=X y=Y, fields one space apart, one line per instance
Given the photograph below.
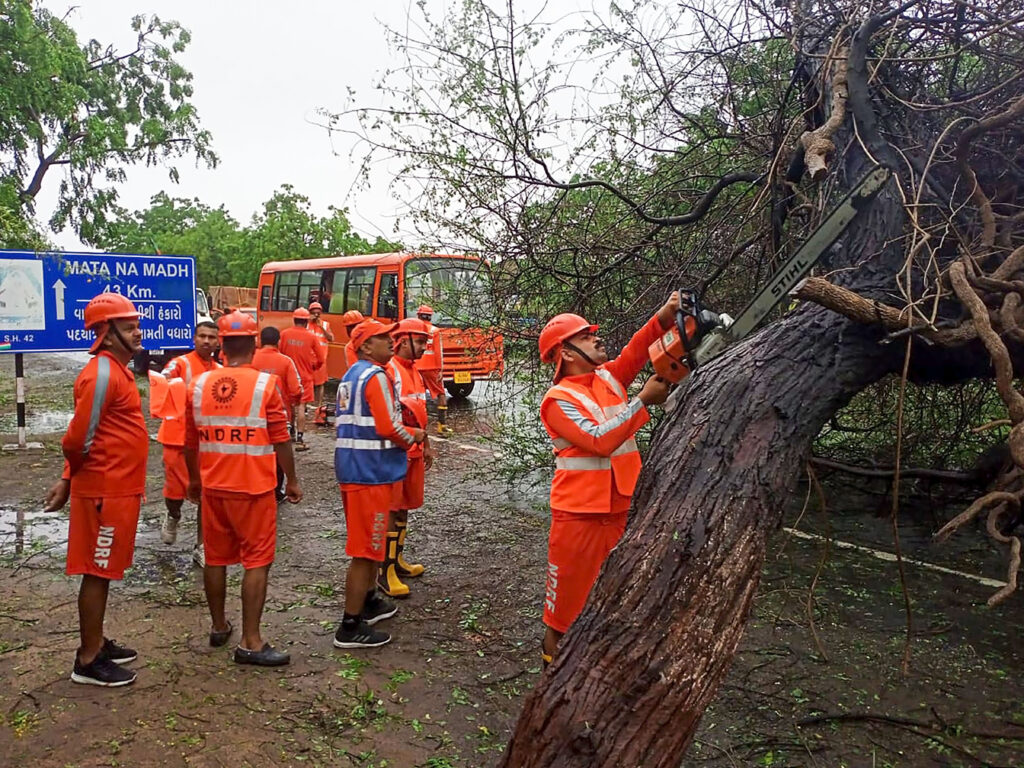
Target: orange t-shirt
x=320 y=374
x=106 y=444
x=271 y=360
x=301 y=345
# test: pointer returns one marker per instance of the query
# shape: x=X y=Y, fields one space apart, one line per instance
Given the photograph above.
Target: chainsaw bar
x=797 y=266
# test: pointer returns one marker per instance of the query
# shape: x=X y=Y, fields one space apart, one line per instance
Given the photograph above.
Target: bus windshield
x=458 y=290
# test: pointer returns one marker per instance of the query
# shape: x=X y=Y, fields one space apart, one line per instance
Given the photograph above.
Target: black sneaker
x=267 y=656
x=118 y=653
x=361 y=636
x=378 y=609
x=102 y=671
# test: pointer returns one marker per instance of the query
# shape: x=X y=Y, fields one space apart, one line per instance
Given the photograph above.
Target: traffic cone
x=405 y=568
x=387 y=574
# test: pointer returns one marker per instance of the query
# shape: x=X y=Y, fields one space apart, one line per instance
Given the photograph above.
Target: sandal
x=217 y=639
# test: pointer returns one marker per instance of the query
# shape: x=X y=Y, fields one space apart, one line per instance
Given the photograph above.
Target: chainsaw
x=700 y=335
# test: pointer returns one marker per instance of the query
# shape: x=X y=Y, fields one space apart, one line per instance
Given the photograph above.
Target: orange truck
x=389 y=287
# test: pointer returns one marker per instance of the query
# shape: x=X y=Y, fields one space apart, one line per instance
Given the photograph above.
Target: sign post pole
x=19 y=389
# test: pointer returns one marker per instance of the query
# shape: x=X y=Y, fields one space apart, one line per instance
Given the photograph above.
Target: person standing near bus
x=410 y=339
x=349 y=321
x=171 y=435
x=105 y=450
x=301 y=345
x=235 y=427
x=431 y=367
x=322 y=330
x=370 y=463
x=269 y=359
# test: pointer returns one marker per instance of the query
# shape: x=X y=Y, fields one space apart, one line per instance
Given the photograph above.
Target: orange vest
x=432 y=358
x=182 y=368
x=167 y=403
x=583 y=481
x=412 y=392
x=229 y=406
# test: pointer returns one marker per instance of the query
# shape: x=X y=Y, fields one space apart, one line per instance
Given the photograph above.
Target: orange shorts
x=433 y=381
x=307 y=390
x=366 y=517
x=101 y=535
x=577 y=547
x=239 y=528
x=410 y=493
x=175 y=472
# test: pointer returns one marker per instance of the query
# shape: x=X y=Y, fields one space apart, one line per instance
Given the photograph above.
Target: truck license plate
x=463 y=377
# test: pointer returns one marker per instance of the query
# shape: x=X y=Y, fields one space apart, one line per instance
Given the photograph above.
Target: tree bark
x=637 y=669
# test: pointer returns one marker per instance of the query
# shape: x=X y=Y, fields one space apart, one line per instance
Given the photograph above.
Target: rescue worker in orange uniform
x=591 y=421
x=322 y=330
x=105 y=450
x=235 y=426
x=350 y=320
x=410 y=339
x=269 y=359
x=431 y=367
x=370 y=464
x=171 y=435
x=301 y=345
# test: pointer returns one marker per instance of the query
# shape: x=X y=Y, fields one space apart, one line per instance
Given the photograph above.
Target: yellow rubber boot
x=405 y=568
x=387 y=576
x=442 y=418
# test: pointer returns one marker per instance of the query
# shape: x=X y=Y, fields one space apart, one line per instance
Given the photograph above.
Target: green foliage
x=182 y=227
x=938 y=424
x=90 y=110
x=288 y=229
x=226 y=252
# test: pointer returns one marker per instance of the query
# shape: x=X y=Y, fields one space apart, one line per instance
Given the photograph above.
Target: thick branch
x=818 y=145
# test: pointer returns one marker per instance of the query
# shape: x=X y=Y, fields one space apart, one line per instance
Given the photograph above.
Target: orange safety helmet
x=410 y=326
x=301 y=313
x=237 y=324
x=352 y=317
x=104 y=308
x=425 y=309
x=316 y=305
x=559 y=329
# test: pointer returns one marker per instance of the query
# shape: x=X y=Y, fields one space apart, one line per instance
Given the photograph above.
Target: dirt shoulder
x=447 y=690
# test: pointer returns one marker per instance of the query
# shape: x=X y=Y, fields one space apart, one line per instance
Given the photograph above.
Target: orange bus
x=389 y=287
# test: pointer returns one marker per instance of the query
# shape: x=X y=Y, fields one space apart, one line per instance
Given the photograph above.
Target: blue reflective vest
x=360 y=455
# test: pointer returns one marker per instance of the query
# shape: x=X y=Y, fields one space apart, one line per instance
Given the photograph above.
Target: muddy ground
x=446 y=691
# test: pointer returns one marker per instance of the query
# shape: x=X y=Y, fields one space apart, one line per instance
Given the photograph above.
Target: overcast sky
x=261 y=70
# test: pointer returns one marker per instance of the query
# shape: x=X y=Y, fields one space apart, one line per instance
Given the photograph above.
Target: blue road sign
x=43 y=298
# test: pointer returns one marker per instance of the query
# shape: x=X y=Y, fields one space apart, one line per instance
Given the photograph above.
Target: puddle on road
x=26 y=531
x=37 y=422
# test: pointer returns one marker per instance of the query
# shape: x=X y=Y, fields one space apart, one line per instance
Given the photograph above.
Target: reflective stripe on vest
x=585 y=482
x=361 y=456
x=235 y=452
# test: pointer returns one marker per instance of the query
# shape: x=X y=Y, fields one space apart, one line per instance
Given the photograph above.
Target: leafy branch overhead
x=90 y=111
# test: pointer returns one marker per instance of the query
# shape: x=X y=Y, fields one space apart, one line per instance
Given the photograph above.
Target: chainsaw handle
x=693 y=303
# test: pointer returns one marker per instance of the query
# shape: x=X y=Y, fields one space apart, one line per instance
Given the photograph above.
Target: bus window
x=387 y=296
x=295 y=289
x=458 y=290
x=265 y=298
x=352 y=288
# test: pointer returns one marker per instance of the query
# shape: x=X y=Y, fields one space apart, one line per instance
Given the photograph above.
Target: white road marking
x=889 y=557
x=477 y=448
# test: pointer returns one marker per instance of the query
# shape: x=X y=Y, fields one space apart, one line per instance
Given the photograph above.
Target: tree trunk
x=640 y=665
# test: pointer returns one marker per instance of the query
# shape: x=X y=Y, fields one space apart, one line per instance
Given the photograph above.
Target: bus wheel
x=458 y=391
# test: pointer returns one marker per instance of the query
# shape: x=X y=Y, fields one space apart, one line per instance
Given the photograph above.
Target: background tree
x=226 y=252
x=89 y=110
x=710 y=140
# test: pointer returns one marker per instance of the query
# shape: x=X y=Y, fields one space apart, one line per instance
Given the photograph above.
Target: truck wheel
x=140 y=362
x=458 y=391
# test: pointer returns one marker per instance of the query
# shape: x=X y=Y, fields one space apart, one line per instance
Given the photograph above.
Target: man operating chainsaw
x=591 y=421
